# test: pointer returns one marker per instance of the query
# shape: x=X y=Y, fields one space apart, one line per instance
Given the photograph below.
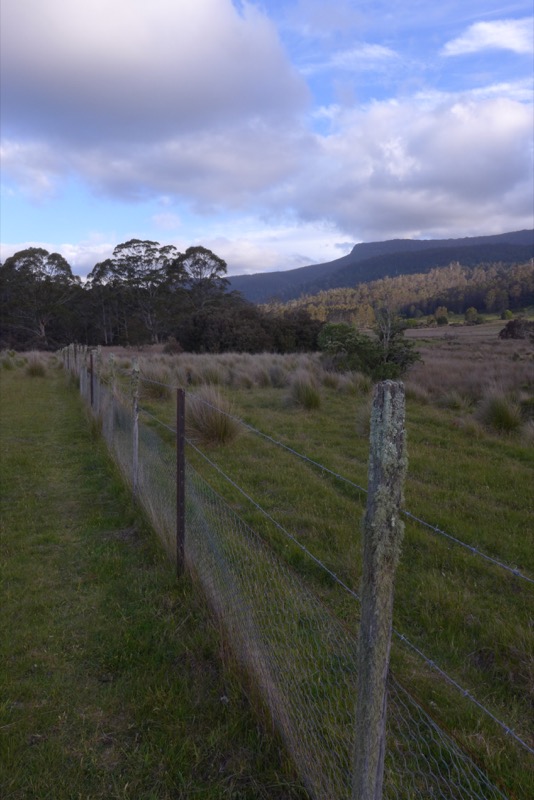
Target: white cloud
x=167 y=221
x=205 y=114
x=363 y=57
x=364 y=54
x=82 y=256
x=423 y=167
x=246 y=245
x=129 y=70
x=506 y=34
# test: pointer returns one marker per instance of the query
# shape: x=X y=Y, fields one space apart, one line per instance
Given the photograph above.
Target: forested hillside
x=485 y=288
x=370 y=261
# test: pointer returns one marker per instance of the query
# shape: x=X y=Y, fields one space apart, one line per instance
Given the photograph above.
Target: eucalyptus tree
x=131 y=289
x=37 y=288
x=203 y=274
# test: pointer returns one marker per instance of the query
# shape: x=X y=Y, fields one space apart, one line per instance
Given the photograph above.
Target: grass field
x=466 y=477
x=111 y=681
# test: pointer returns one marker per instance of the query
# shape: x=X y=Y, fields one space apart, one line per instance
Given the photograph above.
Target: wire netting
x=303 y=661
x=300 y=660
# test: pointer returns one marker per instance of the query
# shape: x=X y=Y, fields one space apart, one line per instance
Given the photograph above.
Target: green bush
x=387 y=355
x=35 y=369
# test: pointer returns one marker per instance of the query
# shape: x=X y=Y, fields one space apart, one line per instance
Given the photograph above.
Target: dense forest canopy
x=148 y=293
x=145 y=293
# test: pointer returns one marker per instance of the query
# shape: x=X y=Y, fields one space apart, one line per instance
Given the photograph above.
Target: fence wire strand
x=298 y=657
x=474 y=550
x=450 y=680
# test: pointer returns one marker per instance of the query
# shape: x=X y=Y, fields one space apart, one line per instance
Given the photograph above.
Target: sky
x=277 y=133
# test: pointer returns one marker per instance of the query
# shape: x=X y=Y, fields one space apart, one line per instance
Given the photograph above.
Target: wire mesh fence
x=299 y=658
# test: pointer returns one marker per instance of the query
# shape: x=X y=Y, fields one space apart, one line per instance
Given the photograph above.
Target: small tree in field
x=471 y=316
x=387 y=355
x=441 y=315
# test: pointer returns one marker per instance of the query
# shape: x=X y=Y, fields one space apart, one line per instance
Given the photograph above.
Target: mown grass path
x=111 y=683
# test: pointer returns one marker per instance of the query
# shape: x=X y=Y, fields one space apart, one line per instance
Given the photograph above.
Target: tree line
x=145 y=293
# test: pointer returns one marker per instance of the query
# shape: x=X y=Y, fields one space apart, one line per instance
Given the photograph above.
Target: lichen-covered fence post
x=135 y=428
x=382 y=537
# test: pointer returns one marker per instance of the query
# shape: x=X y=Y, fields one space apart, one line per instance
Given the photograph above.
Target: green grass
x=111 y=684
x=473 y=619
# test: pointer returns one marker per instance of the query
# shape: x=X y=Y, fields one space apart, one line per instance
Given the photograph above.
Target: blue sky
x=277 y=133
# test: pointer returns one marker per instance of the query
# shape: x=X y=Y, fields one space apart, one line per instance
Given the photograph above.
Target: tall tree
x=37 y=287
x=138 y=271
x=204 y=275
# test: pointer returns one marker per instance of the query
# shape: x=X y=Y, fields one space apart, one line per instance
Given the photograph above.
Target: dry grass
x=469 y=361
x=470 y=370
x=461 y=368
x=304 y=390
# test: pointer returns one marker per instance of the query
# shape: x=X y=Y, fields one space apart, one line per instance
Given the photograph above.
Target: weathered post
x=98 y=378
x=180 y=480
x=135 y=427
x=92 y=371
x=111 y=410
x=382 y=538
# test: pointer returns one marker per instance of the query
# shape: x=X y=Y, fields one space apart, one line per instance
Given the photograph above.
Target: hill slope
x=371 y=260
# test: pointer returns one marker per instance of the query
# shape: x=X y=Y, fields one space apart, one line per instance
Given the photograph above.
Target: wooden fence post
x=92 y=371
x=382 y=538
x=135 y=427
x=112 y=391
x=180 y=481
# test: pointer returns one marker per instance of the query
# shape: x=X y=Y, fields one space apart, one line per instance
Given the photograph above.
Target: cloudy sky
x=278 y=133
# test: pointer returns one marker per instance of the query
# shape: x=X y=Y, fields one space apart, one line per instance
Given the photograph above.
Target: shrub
x=455 y=400
x=278 y=376
x=207 y=417
x=331 y=379
x=6 y=361
x=518 y=329
x=172 y=347
x=35 y=369
x=304 y=390
x=471 y=316
x=387 y=355
x=155 y=383
x=500 y=413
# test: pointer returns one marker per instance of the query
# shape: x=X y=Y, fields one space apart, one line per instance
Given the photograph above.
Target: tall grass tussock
x=500 y=413
x=304 y=390
x=207 y=419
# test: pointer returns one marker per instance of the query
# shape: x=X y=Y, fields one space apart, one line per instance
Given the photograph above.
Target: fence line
x=402 y=637
x=297 y=653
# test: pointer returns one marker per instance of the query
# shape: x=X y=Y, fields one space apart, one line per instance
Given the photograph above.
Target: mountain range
x=369 y=261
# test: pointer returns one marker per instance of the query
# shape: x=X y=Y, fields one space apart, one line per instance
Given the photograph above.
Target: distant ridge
x=369 y=261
